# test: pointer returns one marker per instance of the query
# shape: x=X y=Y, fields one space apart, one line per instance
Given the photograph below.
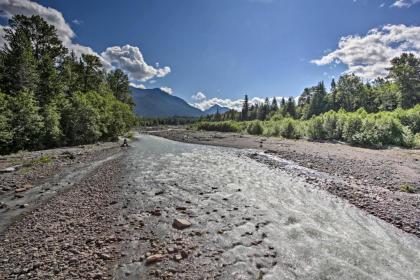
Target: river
x=250 y=221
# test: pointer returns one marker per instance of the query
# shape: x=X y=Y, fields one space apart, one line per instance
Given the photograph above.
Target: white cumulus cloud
x=404 y=3
x=168 y=90
x=128 y=58
x=199 y=96
x=368 y=56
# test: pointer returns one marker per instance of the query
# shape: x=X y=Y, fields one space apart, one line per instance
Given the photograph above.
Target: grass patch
x=407 y=188
x=41 y=161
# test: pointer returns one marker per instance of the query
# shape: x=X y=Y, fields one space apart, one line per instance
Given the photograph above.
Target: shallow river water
x=261 y=223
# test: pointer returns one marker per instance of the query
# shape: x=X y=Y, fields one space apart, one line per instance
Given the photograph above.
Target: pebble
x=154 y=258
x=181 y=224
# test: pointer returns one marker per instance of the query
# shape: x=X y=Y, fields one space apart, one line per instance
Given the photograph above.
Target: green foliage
x=26 y=122
x=49 y=98
x=6 y=134
x=358 y=128
x=315 y=128
x=289 y=129
x=255 y=128
x=405 y=70
x=227 y=126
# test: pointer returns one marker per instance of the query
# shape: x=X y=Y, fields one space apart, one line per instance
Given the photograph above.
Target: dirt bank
x=374 y=180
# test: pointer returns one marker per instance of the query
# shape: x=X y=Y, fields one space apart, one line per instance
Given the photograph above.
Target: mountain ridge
x=153 y=103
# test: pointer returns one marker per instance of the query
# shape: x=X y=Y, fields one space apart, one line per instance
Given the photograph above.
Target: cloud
x=404 y=3
x=77 y=21
x=199 y=96
x=235 y=104
x=368 y=56
x=9 y=8
x=130 y=59
x=139 y=86
x=168 y=90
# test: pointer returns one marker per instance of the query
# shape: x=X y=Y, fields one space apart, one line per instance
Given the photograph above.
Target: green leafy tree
x=26 y=121
x=6 y=133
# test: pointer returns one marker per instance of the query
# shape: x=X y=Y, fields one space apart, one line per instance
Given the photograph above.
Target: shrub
x=288 y=129
x=410 y=118
x=330 y=125
x=315 y=128
x=255 y=128
x=227 y=126
x=351 y=126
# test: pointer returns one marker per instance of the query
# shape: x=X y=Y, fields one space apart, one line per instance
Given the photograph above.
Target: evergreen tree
x=333 y=95
x=290 y=108
x=245 y=108
x=274 y=106
x=350 y=92
x=18 y=64
x=120 y=86
x=405 y=70
x=317 y=101
x=92 y=72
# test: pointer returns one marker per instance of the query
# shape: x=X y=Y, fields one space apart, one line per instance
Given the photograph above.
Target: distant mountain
x=213 y=110
x=153 y=103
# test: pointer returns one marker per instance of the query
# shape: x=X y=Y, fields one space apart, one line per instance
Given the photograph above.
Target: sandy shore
x=369 y=179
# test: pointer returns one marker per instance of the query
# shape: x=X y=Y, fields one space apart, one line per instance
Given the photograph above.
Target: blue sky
x=226 y=48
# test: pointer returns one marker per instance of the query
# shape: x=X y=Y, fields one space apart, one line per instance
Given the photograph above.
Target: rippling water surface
x=266 y=220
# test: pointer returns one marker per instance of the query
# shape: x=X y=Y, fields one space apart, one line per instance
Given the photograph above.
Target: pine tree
x=291 y=108
x=245 y=108
x=333 y=95
x=120 y=86
x=405 y=70
x=274 y=105
x=18 y=65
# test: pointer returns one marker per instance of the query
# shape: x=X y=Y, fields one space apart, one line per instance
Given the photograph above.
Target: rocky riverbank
x=71 y=236
x=385 y=183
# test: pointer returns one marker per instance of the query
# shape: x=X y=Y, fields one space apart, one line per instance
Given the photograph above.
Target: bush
x=357 y=128
x=352 y=124
x=288 y=129
x=410 y=118
x=227 y=126
x=255 y=128
x=315 y=128
x=330 y=125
